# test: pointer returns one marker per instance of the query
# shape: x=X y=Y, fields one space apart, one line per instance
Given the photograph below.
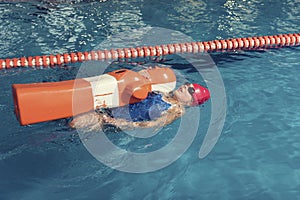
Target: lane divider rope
x=249 y=43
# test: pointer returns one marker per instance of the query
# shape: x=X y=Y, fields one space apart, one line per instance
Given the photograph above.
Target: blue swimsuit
x=146 y=110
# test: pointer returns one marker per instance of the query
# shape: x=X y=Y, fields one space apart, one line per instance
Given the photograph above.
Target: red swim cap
x=200 y=95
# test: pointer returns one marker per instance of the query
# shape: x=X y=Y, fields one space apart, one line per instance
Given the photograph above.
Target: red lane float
x=250 y=43
x=39 y=102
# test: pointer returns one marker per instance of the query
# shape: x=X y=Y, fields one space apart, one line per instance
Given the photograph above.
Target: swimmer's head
x=200 y=94
x=192 y=94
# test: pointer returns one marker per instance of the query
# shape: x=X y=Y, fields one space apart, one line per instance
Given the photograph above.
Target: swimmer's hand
x=94 y=121
x=120 y=123
x=90 y=120
x=145 y=72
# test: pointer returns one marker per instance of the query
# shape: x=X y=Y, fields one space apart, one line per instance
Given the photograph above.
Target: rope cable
x=249 y=43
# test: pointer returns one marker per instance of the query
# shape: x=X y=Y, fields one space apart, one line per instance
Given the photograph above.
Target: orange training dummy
x=39 y=102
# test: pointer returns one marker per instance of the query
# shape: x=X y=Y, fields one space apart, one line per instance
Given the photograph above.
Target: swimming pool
x=257 y=155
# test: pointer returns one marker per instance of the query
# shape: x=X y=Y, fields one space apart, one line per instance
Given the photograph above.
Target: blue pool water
x=258 y=153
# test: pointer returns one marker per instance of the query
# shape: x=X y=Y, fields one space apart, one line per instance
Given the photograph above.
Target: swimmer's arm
x=92 y=120
x=167 y=118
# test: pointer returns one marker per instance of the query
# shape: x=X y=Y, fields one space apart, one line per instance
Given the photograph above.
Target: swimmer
x=157 y=110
